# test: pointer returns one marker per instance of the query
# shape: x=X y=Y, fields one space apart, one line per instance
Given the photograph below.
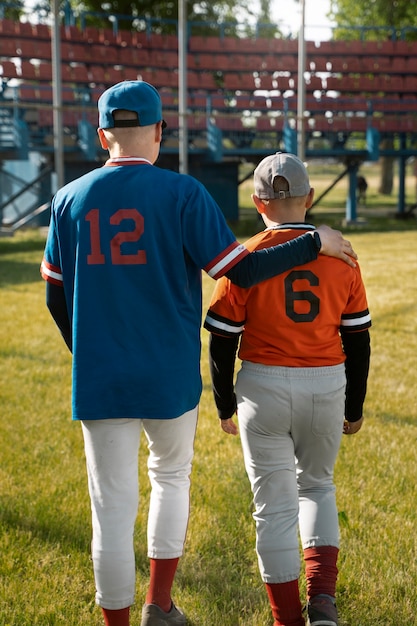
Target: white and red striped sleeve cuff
x=227 y=259
x=51 y=273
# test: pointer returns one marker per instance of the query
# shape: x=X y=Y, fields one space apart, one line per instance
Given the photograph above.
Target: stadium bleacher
x=349 y=84
x=241 y=99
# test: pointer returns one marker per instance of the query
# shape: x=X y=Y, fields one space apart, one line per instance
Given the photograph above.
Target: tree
x=377 y=19
x=235 y=16
x=11 y=10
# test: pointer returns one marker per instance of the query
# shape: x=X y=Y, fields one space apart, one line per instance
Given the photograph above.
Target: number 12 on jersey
x=115 y=243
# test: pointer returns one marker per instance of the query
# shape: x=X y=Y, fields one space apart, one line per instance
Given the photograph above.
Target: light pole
x=301 y=87
x=182 y=86
x=57 y=99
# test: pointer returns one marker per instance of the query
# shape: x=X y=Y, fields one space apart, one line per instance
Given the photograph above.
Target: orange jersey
x=292 y=319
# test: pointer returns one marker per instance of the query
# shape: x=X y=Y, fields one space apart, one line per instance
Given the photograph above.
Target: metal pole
x=182 y=87
x=301 y=87
x=401 y=177
x=57 y=98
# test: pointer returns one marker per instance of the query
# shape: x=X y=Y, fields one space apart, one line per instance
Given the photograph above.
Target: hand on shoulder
x=334 y=244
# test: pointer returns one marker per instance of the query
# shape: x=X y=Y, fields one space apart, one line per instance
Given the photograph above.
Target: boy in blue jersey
x=123 y=260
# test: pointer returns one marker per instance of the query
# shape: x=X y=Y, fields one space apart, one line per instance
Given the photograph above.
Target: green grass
x=45 y=568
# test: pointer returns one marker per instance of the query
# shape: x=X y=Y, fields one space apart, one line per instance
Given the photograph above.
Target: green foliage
x=236 y=17
x=12 y=10
x=397 y=15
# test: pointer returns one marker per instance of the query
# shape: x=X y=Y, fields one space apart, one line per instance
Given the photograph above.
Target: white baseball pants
x=111 y=450
x=291 y=423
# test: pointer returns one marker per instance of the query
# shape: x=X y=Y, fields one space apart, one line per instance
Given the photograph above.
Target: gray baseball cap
x=289 y=167
x=130 y=95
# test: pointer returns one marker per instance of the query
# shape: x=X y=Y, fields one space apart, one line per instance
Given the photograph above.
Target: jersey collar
x=294 y=225
x=127 y=160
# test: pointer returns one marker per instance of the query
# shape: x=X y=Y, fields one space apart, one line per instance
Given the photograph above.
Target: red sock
x=321 y=570
x=162 y=573
x=284 y=599
x=119 y=617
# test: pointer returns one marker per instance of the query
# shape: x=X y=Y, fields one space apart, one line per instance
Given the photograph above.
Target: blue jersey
x=127 y=242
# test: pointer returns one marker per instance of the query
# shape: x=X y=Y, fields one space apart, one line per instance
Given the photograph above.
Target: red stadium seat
x=172 y=119
x=147 y=75
x=45 y=118
x=90 y=34
x=24 y=29
x=7 y=27
x=237 y=82
x=102 y=53
x=41 y=31
x=199 y=43
x=114 y=75
x=410 y=84
x=27 y=71
x=8 y=47
x=132 y=73
x=135 y=57
x=266 y=124
x=27 y=49
x=71 y=51
x=210 y=81
x=287 y=63
x=262 y=46
x=45 y=93
x=165 y=78
x=79 y=74
x=27 y=93
x=68 y=94
x=163 y=42
x=398 y=64
x=71 y=33
x=45 y=71
x=97 y=74
x=8 y=69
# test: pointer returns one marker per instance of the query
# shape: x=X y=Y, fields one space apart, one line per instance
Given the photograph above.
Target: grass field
x=45 y=568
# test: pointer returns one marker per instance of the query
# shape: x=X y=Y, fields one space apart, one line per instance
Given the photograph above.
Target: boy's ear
x=310 y=198
x=260 y=206
x=158 y=132
x=102 y=137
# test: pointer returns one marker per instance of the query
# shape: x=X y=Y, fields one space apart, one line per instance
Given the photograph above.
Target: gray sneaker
x=153 y=615
x=322 y=611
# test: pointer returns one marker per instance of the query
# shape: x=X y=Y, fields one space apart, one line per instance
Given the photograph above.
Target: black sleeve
x=262 y=264
x=357 y=348
x=57 y=305
x=222 y=354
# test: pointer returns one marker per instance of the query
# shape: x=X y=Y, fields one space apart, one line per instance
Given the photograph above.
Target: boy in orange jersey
x=305 y=349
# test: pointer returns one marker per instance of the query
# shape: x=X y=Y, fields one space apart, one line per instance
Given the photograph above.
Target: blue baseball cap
x=130 y=95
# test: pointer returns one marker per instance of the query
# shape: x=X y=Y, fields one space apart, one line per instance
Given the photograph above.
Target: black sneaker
x=153 y=615
x=322 y=611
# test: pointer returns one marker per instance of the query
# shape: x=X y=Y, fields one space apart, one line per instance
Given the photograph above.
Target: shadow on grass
x=14 y=270
x=43 y=522
x=19 y=272
x=33 y=244
x=48 y=524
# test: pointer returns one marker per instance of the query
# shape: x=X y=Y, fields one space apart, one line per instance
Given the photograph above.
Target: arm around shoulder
x=334 y=244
